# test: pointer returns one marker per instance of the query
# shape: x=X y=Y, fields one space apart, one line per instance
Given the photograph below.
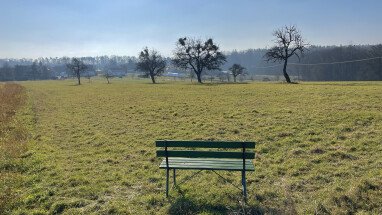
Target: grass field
x=91 y=148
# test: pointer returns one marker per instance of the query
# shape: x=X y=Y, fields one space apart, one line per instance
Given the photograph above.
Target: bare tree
x=198 y=56
x=77 y=67
x=151 y=63
x=236 y=70
x=289 y=42
x=108 y=74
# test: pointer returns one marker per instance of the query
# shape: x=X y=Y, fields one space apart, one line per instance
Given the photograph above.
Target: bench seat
x=207 y=164
x=186 y=155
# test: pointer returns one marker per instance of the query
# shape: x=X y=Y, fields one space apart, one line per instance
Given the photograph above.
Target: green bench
x=193 y=159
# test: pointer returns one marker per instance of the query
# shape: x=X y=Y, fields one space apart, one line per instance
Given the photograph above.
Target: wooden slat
x=206 y=154
x=218 y=165
x=206 y=160
x=209 y=163
x=208 y=168
x=204 y=144
x=238 y=166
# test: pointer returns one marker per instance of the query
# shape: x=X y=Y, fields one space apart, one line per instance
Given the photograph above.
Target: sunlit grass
x=92 y=147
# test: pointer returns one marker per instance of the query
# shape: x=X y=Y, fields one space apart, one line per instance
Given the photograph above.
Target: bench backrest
x=244 y=154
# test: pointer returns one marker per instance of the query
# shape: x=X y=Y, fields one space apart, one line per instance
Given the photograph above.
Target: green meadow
x=90 y=149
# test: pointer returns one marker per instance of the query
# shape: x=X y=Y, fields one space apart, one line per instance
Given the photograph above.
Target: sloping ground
x=319 y=147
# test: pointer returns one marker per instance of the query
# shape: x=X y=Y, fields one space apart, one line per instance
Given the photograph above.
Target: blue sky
x=50 y=28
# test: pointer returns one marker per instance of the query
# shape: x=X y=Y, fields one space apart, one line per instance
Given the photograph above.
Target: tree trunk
x=108 y=82
x=79 y=78
x=234 y=78
x=152 y=78
x=199 y=75
x=285 y=72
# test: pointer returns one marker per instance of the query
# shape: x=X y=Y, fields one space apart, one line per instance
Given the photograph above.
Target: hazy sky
x=49 y=28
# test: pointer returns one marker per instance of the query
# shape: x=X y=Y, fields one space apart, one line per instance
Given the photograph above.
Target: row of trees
x=198 y=57
x=190 y=54
x=36 y=71
x=366 y=70
x=320 y=63
x=97 y=61
x=50 y=68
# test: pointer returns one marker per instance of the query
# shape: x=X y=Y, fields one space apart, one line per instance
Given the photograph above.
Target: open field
x=91 y=147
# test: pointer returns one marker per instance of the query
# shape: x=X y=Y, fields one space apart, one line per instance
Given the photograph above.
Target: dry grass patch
x=12 y=144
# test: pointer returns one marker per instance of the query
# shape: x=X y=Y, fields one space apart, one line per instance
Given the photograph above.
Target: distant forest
x=320 y=63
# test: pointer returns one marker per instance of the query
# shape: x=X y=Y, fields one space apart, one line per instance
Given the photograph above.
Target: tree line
x=290 y=55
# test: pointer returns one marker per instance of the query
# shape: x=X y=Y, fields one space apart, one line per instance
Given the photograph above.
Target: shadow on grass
x=217 y=83
x=282 y=82
x=157 y=83
x=184 y=205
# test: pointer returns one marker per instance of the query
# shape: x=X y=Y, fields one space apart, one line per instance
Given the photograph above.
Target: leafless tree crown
x=77 y=67
x=151 y=63
x=237 y=69
x=288 y=42
x=198 y=56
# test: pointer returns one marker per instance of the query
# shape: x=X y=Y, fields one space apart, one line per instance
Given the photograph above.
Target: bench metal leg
x=174 y=178
x=167 y=179
x=244 y=183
